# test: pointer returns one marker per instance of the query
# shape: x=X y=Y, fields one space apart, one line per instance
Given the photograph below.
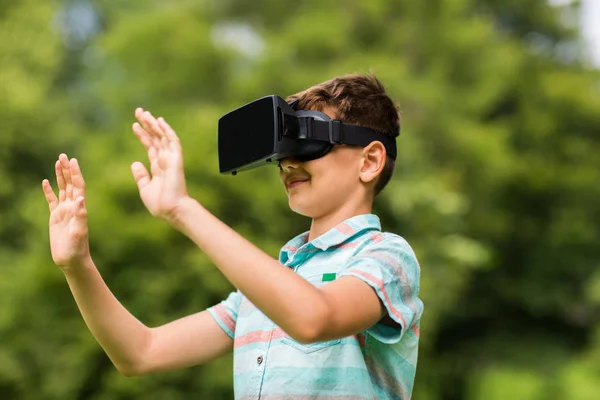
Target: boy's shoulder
x=355 y=237
x=383 y=241
x=392 y=239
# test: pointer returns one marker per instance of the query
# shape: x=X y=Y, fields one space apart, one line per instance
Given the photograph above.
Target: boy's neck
x=326 y=222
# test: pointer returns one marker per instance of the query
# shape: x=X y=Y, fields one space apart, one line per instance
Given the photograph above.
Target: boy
x=336 y=317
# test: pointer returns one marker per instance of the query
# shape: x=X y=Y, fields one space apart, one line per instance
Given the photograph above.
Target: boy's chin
x=301 y=211
x=306 y=210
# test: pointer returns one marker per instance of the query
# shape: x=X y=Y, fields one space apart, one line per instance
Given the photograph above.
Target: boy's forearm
x=121 y=335
x=288 y=300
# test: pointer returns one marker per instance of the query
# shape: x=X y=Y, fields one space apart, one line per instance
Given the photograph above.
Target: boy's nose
x=288 y=163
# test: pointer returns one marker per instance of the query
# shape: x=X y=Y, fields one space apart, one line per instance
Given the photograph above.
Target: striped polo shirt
x=378 y=363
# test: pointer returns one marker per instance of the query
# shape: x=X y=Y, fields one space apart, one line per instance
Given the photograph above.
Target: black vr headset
x=269 y=129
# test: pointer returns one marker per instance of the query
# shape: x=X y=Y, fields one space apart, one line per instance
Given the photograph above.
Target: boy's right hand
x=68 y=216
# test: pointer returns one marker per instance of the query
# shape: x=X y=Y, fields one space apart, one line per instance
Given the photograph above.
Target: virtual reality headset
x=269 y=129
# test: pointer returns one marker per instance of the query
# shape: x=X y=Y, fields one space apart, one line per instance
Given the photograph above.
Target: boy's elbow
x=306 y=336
x=312 y=329
x=137 y=363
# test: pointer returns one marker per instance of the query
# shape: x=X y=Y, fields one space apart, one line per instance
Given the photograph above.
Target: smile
x=296 y=183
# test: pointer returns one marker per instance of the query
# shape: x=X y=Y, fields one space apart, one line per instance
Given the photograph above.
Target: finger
x=164 y=142
x=140 y=114
x=50 y=196
x=60 y=180
x=169 y=132
x=66 y=170
x=140 y=174
x=155 y=130
x=79 y=208
x=146 y=141
x=142 y=135
x=174 y=143
x=77 y=179
x=155 y=168
x=80 y=213
x=153 y=155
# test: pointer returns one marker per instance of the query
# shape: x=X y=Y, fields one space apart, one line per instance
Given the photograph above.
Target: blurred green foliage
x=497 y=184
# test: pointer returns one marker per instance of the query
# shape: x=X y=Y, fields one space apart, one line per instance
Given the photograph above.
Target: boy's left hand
x=163 y=189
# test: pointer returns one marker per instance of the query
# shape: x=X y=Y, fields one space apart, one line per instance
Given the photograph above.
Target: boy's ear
x=373 y=161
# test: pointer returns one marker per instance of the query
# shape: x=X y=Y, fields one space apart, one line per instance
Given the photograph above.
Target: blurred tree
x=496 y=186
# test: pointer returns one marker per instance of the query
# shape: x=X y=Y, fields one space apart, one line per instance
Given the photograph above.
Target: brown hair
x=359 y=100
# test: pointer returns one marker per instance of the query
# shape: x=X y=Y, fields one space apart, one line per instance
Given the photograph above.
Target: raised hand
x=68 y=215
x=163 y=189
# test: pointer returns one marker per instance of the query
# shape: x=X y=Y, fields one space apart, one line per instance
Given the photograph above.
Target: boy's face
x=333 y=182
x=322 y=186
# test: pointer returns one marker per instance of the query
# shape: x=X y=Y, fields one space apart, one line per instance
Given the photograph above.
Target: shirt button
x=259 y=360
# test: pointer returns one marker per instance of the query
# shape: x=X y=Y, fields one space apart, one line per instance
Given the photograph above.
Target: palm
x=151 y=195
x=161 y=190
x=65 y=230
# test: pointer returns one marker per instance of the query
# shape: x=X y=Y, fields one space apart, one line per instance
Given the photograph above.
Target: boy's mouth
x=296 y=181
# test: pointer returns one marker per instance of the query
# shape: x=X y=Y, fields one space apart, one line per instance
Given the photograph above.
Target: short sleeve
x=225 y=313
x=389 y=265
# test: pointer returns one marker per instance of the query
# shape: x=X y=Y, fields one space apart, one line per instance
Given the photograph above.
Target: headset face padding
x=313 y=149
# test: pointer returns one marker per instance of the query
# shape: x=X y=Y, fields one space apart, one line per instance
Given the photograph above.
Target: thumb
x=140 y=174
x=79 y=227
x=79 y=210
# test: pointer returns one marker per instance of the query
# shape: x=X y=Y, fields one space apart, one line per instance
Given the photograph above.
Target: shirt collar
x=337 y=235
